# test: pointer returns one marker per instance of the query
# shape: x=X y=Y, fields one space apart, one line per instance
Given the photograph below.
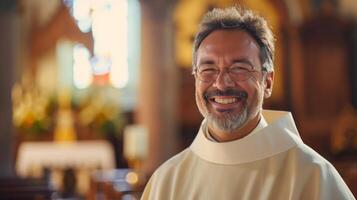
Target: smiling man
x=230 y=83
x=242 y=151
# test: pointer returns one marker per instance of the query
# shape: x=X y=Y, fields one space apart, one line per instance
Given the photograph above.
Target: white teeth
x=225 y=100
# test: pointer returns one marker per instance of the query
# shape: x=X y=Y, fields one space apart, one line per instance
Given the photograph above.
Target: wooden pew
x=25 y=189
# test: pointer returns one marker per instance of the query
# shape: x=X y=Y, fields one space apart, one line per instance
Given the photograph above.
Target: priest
x=242 y=151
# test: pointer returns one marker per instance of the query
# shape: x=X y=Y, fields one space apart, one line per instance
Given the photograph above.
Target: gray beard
x=229 y=123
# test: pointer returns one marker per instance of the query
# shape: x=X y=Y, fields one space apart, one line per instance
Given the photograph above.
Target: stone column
x=158 y=81
x=8 y=22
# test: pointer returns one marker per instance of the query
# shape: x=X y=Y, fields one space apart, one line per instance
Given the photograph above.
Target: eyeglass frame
x=248 y=72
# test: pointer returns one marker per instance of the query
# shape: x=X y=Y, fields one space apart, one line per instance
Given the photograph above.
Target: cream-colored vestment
x=271 y=162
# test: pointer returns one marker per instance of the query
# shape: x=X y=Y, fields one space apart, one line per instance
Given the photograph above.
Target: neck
x=222 y=136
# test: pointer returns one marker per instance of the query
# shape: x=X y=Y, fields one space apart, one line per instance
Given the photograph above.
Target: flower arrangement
x=32 y=111
x=101 y=115
x=35 y=114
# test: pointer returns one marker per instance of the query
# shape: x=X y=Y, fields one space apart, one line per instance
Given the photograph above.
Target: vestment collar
x=279 y=135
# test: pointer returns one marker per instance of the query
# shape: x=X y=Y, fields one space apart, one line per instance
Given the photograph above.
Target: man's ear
x=269 y=81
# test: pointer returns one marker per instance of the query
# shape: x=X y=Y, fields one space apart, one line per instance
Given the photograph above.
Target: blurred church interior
x=96 y=94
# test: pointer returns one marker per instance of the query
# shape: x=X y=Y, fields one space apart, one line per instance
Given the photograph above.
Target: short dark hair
x=239 y=19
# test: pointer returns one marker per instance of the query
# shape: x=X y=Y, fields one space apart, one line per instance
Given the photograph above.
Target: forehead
x=229 y=44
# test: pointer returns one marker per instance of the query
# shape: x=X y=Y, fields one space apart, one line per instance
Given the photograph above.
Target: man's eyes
x=239 y=69
x=209 y=70
x=233 y=69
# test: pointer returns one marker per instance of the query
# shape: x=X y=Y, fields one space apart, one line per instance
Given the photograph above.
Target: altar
x=83 y=157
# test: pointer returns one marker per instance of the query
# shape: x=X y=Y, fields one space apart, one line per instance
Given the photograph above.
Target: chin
x=229 y=123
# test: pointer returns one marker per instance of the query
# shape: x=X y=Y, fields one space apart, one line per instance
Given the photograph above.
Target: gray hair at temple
x=239 y=19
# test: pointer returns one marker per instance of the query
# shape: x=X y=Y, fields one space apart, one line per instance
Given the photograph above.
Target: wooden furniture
x=347 y=167
x=116 y=184
x=320 y=80
x=25 y=189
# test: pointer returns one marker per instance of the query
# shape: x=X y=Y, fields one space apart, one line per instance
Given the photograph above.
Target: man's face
x=229 y=104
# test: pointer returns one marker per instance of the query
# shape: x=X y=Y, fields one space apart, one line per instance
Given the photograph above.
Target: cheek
x=255 y=90
x=199 y=93
x=200 y=89
x=197 y=96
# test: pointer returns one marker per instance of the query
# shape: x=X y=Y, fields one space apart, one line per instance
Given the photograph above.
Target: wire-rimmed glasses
x=210 y=73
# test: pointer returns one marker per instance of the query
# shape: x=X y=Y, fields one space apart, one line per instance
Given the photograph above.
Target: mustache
x=229 y=92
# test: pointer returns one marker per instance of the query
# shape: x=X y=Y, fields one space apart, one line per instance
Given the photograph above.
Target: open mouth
x=225 y=100
x=226 y=104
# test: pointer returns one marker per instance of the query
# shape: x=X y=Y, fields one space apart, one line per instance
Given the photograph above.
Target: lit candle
x=135 y=142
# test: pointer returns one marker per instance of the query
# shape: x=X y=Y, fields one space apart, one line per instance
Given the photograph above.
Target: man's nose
x=224 y=81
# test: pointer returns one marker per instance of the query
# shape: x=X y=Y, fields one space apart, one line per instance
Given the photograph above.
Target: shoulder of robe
x=173 y=163
x=310 y=156
x=324 y=181
x=159 y=184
